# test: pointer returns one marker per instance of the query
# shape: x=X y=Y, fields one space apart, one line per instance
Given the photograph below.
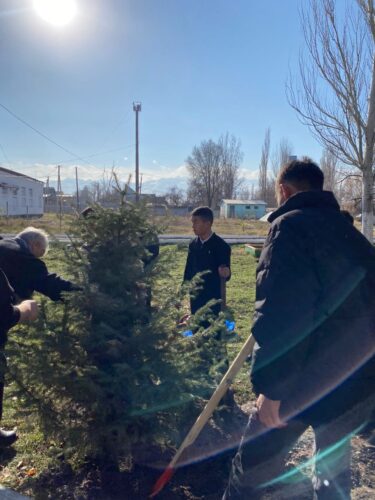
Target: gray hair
x=32 y=234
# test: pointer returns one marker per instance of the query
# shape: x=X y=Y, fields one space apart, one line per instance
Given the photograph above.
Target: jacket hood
x=305 y=199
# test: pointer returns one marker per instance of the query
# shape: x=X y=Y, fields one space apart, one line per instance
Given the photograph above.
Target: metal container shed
x=242 y=209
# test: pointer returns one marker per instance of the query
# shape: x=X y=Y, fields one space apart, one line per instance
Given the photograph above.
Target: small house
x=242 y=209
x=20 y=195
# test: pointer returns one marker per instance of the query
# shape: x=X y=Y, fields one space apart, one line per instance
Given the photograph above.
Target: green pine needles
x=107 y=368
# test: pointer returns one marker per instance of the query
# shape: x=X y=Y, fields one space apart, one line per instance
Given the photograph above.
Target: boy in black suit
x=207 y=252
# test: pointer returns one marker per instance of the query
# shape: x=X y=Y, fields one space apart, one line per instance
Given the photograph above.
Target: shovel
x=206 y=413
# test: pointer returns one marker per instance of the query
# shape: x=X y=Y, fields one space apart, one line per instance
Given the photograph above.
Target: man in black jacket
x=26 y=272
x=27 y=310
x=314 y=326
x=207 y=252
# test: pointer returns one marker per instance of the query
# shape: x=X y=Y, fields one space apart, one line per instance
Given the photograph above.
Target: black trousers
x=3 y=369
x=259 y=467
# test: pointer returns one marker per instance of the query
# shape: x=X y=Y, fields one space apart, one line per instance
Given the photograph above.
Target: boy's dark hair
x=303 y=174
x=204 y=213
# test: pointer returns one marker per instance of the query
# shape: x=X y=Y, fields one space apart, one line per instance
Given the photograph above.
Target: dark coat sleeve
x=9 y=315
x=154 y=251
x=224 y=254
x=286 y=290
x=49 y=284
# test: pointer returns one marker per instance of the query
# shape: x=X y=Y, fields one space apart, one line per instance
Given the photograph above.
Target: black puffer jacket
x=27 y=274
x=314 y=319
x=9 y=314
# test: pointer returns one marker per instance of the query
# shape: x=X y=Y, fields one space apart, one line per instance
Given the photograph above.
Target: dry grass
x=182 y=225
x=173 y=225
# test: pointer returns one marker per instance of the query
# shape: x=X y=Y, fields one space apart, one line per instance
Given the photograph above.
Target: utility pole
x=77 y=189
x=137 y=108
x=59 y=192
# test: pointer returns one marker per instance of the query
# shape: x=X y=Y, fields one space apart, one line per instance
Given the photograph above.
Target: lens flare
x=56 y=12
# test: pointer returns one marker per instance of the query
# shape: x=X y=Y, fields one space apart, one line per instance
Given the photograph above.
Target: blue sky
x=201 y=68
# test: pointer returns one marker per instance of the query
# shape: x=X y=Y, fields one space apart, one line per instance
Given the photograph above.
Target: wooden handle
x=194 y=432
x=221 y=389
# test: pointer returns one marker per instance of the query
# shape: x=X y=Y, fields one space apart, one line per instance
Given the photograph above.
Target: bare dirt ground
x=205 y=475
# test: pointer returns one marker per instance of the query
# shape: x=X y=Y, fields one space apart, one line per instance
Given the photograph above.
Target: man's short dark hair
x=204 y=213
x=305 y=175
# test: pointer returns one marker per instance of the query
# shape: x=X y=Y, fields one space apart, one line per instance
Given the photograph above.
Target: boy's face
x=201 y=227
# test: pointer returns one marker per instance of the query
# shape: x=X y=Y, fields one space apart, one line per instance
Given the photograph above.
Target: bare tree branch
x=335 y=95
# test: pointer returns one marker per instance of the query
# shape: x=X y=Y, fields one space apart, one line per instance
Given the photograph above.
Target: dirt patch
x=204 y=474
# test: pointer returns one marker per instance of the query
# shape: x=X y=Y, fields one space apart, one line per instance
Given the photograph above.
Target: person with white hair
x=20 y=259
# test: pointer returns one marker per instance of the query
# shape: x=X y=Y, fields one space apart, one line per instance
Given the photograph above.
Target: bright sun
x=57 y=12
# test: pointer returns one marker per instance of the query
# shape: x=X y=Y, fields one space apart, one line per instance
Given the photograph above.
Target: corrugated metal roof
x=244 y=202
x=17 y=174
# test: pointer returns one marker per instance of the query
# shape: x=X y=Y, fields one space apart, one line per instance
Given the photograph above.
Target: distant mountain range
x=159 y=186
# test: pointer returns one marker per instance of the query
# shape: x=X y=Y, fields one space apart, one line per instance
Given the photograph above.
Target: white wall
x=20 y=195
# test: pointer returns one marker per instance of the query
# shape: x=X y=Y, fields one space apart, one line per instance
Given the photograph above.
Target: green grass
x=34 y=455
x=240 y=299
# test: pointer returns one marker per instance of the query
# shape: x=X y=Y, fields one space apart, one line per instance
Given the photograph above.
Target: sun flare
x=56 y=12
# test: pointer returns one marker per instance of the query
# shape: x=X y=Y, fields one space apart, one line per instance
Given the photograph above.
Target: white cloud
x=155 y=176
x=91 y=173
x=250 y=175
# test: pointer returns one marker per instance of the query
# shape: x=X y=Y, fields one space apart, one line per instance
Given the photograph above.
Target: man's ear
x=37 y=249
x=287 y=190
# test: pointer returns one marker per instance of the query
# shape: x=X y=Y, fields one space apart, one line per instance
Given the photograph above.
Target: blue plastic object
x=231 y=325
x=187 y=333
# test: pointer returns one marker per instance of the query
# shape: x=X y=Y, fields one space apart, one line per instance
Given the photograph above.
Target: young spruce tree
x=105 y=369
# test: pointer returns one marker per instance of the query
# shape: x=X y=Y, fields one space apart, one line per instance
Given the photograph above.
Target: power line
x=101 y=153
x=122 y=120
x=81 y=158
x=24 y=122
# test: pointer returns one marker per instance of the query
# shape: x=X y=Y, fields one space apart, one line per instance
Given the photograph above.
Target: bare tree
x=350 y=192
x=232 y=157
x=336 y=96
x=263 y=166
x=245 y=192
x=281 y=154
x=329 y=165
x=214 y=170
x=174 y=196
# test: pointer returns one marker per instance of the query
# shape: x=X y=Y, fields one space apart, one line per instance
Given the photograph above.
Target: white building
x=19 y=194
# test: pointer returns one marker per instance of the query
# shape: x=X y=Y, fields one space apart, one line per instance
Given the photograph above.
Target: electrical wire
x=102 y=153
x=84 y=159
x=24 y=122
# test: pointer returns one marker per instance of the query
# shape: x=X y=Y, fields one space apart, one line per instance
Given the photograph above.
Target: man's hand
x=29 y=310
x=224 y=271
x=268 y=412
